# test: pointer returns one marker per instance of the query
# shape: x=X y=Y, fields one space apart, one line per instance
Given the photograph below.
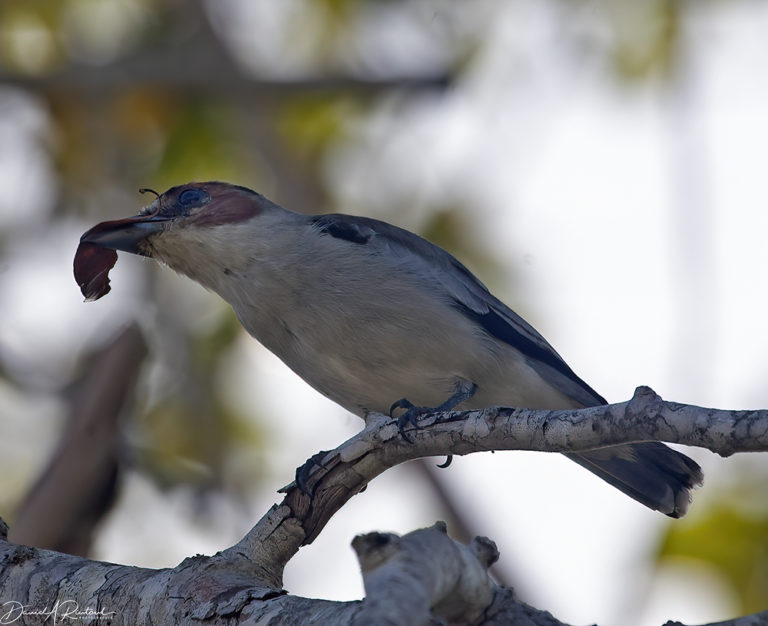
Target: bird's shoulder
x=397 y=243
x=434 y=264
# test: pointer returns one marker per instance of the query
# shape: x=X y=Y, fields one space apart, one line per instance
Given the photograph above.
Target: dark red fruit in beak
x=92 y=265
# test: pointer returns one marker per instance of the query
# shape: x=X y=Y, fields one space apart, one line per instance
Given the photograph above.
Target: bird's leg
x=464 y=391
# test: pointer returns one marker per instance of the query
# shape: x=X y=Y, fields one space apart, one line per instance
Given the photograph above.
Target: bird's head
x=202 y=230
x=180 y=211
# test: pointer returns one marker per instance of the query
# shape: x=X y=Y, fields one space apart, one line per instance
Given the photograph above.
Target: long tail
x=655 y=475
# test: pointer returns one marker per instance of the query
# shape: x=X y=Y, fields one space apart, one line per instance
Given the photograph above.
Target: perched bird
x=368 y=313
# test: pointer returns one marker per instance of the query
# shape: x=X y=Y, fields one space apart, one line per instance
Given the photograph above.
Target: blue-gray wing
x=465 y=292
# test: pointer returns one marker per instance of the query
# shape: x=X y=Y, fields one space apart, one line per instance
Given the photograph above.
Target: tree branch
x=78 y=484
x=424 y=575
x=244 y=582
x=345 y=471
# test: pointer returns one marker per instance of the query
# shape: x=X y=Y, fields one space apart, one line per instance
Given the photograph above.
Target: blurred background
x=599 y=164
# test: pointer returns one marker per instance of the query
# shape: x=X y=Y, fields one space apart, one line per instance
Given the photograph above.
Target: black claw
x=303 y=472
x=411 y=418
x=402 y=403
x=404 y=420
x=447 y=462
x=464 y=391
x=408 y=418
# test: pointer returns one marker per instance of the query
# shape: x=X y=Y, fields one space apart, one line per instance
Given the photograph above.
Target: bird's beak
x=126 y=234
x=96 y=254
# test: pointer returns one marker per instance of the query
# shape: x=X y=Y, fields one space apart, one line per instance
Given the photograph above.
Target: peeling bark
x=420 y=578
x=425 y=574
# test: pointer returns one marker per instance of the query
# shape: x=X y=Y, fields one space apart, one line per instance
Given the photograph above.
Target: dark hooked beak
x=126 y=234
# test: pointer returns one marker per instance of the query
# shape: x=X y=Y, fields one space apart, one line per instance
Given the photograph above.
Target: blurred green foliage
x=39 y=37
x=188 y=434
x=202 y=143
x=311 y=124
x=729 y=535
x=646 y=38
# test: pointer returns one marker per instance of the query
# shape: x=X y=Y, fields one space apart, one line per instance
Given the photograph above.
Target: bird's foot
x=409 y=417
x=464 y=391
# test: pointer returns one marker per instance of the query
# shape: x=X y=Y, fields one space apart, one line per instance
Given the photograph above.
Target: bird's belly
x=373 y=384
x=426 y=376
x=369 y=362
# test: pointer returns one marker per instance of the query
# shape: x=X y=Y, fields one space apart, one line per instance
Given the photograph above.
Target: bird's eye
x=192 y=197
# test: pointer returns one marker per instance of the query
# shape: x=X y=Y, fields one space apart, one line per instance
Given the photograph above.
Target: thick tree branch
x=425 y=569
x=346 y=470
x=424 y=575
x=244 y=582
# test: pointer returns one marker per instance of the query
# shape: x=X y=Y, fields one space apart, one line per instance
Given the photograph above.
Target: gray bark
x=421 y=578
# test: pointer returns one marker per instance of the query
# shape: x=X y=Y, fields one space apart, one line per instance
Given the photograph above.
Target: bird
x=372 y=316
